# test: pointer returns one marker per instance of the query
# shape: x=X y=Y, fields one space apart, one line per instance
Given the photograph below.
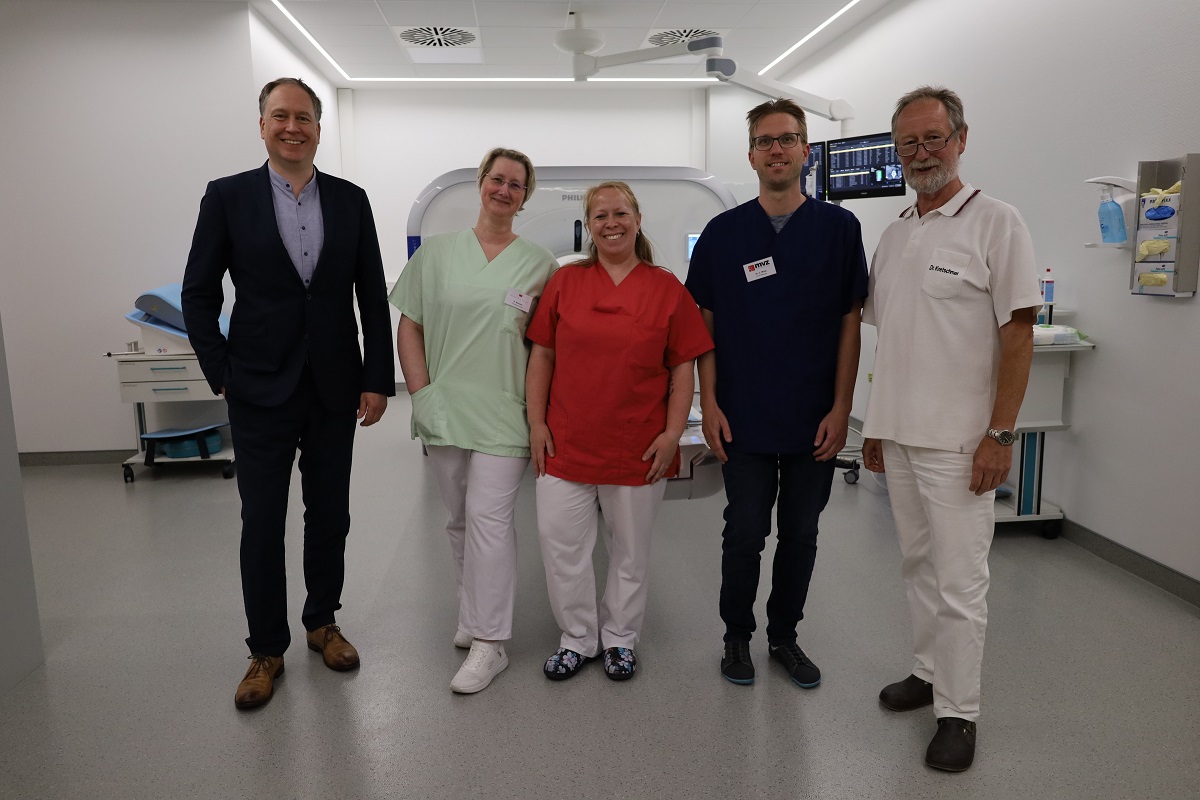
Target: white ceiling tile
x=702 y=15
x=509 y=56
x=373 y=55
x=617 y=14
x=522 y=14
x=518 y=37
x=335 y=12
x=446 y=55
x=789 y=15
x=413 y=13
x=356 y=35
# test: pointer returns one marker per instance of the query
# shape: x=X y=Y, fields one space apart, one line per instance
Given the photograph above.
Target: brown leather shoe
x=258 y=684
x=333 y=647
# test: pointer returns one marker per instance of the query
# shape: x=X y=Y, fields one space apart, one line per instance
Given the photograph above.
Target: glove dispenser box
x=1166 y=254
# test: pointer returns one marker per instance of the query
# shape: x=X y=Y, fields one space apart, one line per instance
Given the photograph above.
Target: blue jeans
x=799 y=487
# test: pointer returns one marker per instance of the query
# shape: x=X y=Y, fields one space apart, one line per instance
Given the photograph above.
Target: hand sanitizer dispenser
x=1112 y=218
x=1118 y=201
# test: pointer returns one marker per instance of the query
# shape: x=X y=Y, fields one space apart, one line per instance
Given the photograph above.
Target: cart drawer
x=182 y=369
x=166 y=391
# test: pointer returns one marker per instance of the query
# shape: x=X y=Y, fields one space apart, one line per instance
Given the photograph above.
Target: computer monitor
x=863 y=166
x=814 y=167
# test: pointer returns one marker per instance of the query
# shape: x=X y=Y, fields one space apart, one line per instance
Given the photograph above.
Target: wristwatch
x=1005 y=438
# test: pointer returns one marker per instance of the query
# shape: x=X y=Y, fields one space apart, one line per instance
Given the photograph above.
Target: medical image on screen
x=812 y=178
x=864 y=166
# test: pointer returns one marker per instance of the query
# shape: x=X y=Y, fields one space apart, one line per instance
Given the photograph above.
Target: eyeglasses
x=787 y=140
x=931 y=145
x=513 y=186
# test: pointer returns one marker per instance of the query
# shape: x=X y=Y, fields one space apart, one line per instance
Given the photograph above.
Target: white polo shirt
x=940 y=287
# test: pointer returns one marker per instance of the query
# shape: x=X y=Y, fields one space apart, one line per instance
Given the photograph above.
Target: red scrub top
x=614 y=346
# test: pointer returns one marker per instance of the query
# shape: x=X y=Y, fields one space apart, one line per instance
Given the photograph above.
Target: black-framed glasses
x=931 y=145
x=787 y=140
x=513 y=186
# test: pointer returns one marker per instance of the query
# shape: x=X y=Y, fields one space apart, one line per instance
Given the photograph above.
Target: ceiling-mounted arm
x=582 y=42
x=585 y=66
x=726 y=71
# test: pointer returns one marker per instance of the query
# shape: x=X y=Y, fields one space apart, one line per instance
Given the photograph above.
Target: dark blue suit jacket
x=277 y=322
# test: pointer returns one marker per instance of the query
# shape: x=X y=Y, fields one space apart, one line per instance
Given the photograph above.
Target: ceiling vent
x=677 y=35
x=431 y=36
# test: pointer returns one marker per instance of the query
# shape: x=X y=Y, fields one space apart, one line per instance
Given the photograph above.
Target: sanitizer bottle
x=1112 y=218
x=1047 y=311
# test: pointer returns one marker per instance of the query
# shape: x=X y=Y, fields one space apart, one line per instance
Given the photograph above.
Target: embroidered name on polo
x=936 y=268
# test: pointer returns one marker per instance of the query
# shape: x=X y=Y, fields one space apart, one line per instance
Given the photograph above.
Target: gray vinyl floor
x=1091 y=679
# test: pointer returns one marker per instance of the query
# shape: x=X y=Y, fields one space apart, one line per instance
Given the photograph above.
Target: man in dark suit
x=299 y=246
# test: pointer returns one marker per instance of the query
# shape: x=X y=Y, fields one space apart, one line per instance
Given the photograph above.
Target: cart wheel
x=851 y=476
x=1052 y=528
x=228 y=471
x=128 y=472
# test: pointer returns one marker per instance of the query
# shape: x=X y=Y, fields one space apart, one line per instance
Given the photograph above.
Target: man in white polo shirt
x=953 y=293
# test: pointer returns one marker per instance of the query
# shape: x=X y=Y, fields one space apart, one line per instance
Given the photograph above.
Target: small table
x=1041 y=411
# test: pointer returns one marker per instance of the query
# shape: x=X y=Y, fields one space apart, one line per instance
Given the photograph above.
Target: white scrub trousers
x=567 y=526
x=480 y=492
x=945 y=533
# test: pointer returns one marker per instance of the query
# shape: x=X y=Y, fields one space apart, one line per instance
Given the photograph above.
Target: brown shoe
x=333 y=647
x=258 y=684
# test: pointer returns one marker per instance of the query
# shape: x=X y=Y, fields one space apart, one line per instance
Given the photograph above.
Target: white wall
x=118 y=115
x=1056 y=93
x=274 y=57
x=404 y=138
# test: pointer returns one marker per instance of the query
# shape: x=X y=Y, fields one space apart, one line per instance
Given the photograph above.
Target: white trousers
x=567 y=527
x=945 y=533
x=480 y=492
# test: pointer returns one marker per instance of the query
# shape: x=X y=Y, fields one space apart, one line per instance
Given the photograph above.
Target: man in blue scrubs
x=780 y=282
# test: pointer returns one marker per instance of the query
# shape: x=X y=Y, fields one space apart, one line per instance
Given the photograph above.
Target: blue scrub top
x=777 y=337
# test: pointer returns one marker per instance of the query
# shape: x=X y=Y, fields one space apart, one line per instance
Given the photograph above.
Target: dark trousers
x=265 y=441
x=799 y=487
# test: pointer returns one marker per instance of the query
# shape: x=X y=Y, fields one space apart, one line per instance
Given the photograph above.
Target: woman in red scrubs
x=608 y=391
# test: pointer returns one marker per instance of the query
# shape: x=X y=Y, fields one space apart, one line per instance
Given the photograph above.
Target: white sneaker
x=462 y=639
x=484 y=662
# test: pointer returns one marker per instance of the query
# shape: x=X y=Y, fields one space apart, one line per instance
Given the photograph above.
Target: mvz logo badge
x=758 y=264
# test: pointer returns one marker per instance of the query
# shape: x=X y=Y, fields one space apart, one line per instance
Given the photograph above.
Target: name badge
x=518 y=300
x=763 y=268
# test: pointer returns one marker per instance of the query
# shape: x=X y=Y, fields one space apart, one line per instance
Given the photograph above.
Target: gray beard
x=928 y=182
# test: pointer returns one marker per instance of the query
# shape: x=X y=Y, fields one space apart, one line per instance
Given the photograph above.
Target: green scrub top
x=474 y=341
